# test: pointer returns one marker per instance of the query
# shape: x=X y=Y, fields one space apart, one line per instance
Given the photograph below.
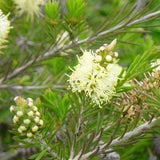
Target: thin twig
x=48 y=148
x=116 y=142
x=52 y=53
x=18 y=87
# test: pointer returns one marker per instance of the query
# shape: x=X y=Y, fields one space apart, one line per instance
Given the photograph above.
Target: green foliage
x=59 y=106
x=75 y=10
x=52 y=10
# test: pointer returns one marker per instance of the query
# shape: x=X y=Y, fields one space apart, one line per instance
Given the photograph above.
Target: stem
x=52 y=53
x=118 y=141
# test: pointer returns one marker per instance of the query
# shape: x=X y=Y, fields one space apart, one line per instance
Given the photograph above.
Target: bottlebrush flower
x=4 y=27
x=30 y=7
x=97 y=80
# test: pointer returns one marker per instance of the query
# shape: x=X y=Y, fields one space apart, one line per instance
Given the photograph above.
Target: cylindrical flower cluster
x=4 y=28
x=97 y=74
x=30 y=7
x=27 y=119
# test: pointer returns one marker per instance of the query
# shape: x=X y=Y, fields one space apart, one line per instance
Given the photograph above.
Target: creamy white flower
x=30 y=7
x=4 y=27
x=95 y=80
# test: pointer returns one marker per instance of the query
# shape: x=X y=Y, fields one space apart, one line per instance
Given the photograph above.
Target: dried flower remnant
x=4 y=28
x=30 y=7
x=135 y=100
x=27 y=118
x=96 y=74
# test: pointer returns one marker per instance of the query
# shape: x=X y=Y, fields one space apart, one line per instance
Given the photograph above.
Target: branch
x=48 y=148
x=118 y=141
x=52 y=53
x=18 y=87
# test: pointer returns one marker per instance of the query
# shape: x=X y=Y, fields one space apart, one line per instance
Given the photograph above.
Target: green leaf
x=52 y=10
x=38 y=156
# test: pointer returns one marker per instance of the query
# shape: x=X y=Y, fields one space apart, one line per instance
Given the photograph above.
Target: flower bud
x=109 y=67
x=30 y=113
x=111 y=46
x=36 y=119
x=98 y=58
x=29 y=134
x=15 y=119
x=22 y=128
x=97 y=51
x=115 y=54
x=12 y=108
x=108 y=58
x=34 y=128
x=102 y=49
x=16 y=98
x=34 y=108
x=30 y=99
x=26 y=121
x=29 y=102
x=38 y=114
x=41 y=122
x=19 y=130
x=19 y=113
x=105 y=45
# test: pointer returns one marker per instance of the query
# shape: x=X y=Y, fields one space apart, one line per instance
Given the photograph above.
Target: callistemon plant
x=92 y=72
x=97 y=74
x=27 y=119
